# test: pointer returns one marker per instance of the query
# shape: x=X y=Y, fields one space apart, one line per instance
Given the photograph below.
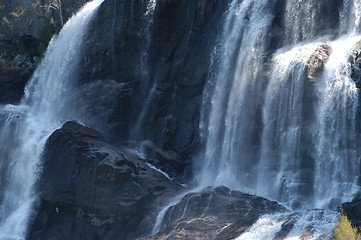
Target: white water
x=160 y=171
x=26 y=127
x=350 y=17
x=268 y=129
x=281 y=146
x=146 y=34
x=311 y=225
x=235 y=88
x=336 y=169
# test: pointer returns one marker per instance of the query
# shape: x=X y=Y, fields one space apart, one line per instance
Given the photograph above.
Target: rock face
x=164 y=93
x=316 y=62
x=353 y=211
x=91 y=190
x=26 y=27
x=12 y=83
x=214 y=213
x=355 y=61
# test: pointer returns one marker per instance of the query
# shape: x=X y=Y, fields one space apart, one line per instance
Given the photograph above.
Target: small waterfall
x=283 y=145
x=231 y=133
x=146 y=35
x=300 y=20
x=336 y=169
x=26 y=127
x=350 y=17
x=282 y=124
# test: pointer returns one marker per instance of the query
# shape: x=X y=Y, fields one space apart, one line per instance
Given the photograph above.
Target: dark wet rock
x=99 y=102
x=177 y=60
x=355 y=61
x=214 y=213
x=12 y=83
x=167 y=161
x=353 y=211
x=91 y=190
x=2 y=61
x=317 y=61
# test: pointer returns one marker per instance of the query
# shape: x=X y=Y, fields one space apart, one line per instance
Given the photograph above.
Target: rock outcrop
x=91 y=190
x=317 y=61
x=214 y=213
x=166 y=101
x=353 y=211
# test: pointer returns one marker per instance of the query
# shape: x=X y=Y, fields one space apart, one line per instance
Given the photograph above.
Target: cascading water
x=312 y=225
x=336 y=168
x=26 y=127
x=283 y=127
x=283 y=144
x=233 y=133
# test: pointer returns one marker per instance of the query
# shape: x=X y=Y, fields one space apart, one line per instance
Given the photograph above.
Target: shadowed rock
x=12 y=83
x=91 y=190
x=214 y=213
x=355 y=61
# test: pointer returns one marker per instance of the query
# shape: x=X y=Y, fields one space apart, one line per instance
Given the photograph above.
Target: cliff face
x=142 y=80
x=160 y=64
x=151 y=61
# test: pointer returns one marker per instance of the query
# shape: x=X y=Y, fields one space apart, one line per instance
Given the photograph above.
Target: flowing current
x=279 y=113
x=25 y=127
x=281 y=123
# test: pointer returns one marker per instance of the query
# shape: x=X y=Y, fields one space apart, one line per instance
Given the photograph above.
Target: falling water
x=311 y=225
x=236 y=87
x=146 y=33
x=336 y=169
x=283 y=147
x=282 y=124
x=300 y=20
x=25 y=127
x=350 y=17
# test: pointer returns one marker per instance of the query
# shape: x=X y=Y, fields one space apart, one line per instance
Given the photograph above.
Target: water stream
x=26 y=127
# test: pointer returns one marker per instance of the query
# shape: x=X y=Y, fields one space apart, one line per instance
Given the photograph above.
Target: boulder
x=317 y=60
x=213 y=213
x=92 y=190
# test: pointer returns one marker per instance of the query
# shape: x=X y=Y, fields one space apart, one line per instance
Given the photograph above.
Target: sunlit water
x=26 y=127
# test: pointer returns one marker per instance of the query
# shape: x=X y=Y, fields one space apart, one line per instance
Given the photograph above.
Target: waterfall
x=283 y=146
x=280 y=123
x=336 y=169
x=237 y=86
x=26 y=127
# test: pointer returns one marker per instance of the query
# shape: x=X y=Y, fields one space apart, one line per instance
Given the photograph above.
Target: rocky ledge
x=90 y=189
x=213 y=213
